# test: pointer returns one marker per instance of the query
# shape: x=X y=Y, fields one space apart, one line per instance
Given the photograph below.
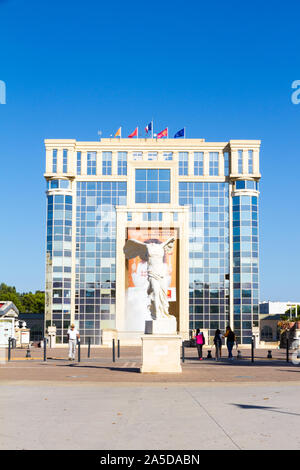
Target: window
x=137 y=156
x=183 y=163
x=198 y=163
x=122 y=163
x=250 y=161
x=91 y=163
x=78 y=163
x=65 y=161
x=240 y=161
x=152 y=186
x=213 y=163
x=168 y=155
x=106 y=163
x=226 y=163
x=54 y=161
x=242 y=184
x=152 y=216
x=55 y=184
x=152 y=156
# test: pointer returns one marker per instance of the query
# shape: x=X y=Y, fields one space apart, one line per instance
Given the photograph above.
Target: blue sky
x=221 y=69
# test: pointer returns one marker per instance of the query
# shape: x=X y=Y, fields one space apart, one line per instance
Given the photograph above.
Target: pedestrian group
x=229 y=337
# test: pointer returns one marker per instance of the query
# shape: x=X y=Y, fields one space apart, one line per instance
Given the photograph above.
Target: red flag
x=163 y=133
x=134 y=133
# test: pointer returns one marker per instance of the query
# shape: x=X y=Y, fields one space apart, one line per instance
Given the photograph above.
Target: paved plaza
x=100 y=404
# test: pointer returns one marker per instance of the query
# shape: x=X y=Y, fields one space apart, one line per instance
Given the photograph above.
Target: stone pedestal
x=162 y=326
x=161 y=353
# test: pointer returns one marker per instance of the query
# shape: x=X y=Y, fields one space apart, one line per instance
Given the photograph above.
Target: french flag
x=148 y=127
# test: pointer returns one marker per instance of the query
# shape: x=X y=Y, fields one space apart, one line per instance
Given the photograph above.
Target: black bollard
x=89 y=347
x=287 y=350
x=28 y=352
x=209 y=356
x=239 y=354
x=269 y=356
x=183 y=351
x=113 y=350
x=45 y=349
x=252 y=349
x=118 y=348
x=78 y=353
x=9 y=349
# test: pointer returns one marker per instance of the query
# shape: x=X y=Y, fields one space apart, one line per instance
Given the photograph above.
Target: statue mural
x=153 y=253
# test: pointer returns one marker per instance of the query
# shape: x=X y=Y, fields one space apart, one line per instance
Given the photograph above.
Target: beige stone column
x=221 y=164
x=206 y=164
x=84 y=163
x=114 y=163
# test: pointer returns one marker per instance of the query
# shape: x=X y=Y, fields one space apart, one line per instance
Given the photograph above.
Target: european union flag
x=179 y=134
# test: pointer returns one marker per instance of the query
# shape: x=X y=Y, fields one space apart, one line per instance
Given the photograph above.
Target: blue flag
x=179 y=134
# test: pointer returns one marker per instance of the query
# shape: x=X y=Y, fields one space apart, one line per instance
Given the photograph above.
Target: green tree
x=26 y=302
x=10 y=293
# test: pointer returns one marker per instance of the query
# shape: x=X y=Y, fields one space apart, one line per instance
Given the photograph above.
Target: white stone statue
x=153 y=254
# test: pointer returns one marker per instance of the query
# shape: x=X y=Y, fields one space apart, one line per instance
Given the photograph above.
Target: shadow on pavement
x=263 y=408
x=113 y=369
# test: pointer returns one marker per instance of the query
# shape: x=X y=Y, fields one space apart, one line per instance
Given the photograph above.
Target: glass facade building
x=206 y=193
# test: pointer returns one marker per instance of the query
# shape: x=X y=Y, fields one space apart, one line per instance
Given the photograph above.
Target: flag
x=148 y=127
x=180 y=133
x=134 y=133
x=163 y=133
x=118 y=133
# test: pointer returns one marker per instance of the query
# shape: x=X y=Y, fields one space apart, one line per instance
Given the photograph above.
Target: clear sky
x=221 y=69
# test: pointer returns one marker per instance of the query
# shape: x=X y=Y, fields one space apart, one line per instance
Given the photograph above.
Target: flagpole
x=121 y=132
x=152 y=128
x=184 y=132
x=137 y=133
x=167 y=132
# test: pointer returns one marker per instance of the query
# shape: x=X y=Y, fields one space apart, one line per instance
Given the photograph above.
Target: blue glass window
x=244 y=184
x=214 y=163
x=183 y=163
x=91 y=163
x=240 y=161
x=198 y=163
x=106 y=163
x=65 y=161
x=152 y=216
x=250 y=161
x=208 y=253
x=168 y=155
x=54 y=161
x=122 y=163
x=78 y=163
x=226 y=163
x=152 y=186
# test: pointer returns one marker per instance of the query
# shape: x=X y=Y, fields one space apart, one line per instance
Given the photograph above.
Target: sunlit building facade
x=101 y=193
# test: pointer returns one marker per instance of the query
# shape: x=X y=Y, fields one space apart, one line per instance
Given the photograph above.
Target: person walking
x=73 y=334
x=230 y=339
x=200 y=341
x=218 y=344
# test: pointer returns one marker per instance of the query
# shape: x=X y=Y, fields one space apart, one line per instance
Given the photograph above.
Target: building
x=8 y=318
x=101 y=193
x=279 y=308
x=35 y=323
x=270 y=315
